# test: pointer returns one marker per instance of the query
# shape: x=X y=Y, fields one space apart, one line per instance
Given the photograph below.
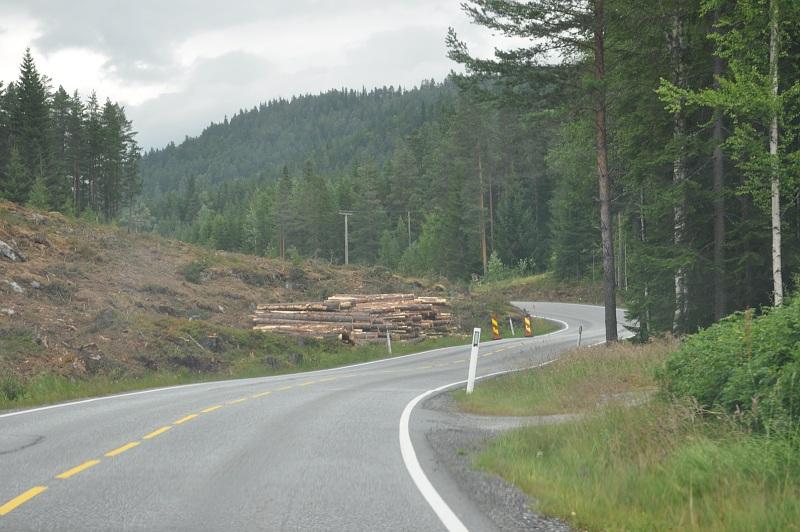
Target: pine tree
x=573 y=28
x=16 y=182
x=39 y=197
x=57 y=174
x=30 y=120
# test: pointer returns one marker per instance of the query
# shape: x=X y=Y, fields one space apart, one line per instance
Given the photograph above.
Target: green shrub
x=745 y=365
x=193 y=271
x=11 y=389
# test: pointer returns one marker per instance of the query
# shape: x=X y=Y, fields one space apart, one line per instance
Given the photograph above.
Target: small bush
x=194 y=271
x=15 y=340
x=745 y=365
x=58 y=291
x=11 y=389
x=158 y=289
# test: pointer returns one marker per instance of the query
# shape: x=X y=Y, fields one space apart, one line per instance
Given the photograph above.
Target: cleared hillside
x=95 y=300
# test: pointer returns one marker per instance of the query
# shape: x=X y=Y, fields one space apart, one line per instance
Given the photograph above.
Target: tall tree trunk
x=604 y=185
x=777 y=278
x=482 y=215
x=677 y=46
x=719 y=199
x=76 y=187
x=491 y=214
x=644 y=327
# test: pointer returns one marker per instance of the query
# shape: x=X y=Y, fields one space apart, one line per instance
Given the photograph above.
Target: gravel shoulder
x=455 y=437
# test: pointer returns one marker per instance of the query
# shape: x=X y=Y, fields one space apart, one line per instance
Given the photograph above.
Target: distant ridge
x=333 y=129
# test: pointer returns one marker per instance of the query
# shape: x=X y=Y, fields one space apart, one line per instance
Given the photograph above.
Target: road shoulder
x=454 y=438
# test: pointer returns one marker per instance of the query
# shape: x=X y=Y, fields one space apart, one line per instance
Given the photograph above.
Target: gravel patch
x=455 y=437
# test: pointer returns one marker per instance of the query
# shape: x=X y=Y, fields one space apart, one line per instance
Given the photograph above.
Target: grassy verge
x=579 y=381
x=244 y=363
x=177 y=357
x=656 y=465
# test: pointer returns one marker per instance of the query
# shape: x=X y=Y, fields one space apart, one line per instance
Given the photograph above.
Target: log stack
x=358 y=318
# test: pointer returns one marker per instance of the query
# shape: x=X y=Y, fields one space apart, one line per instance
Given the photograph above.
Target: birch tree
x=757 y=101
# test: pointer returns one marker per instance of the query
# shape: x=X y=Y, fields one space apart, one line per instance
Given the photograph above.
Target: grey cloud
x=139 y=39
x=214 y=88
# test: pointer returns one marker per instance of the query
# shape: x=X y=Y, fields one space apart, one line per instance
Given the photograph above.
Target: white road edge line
x=442 y=510
x=446 y=515
x=301 y=374
x=258 y=379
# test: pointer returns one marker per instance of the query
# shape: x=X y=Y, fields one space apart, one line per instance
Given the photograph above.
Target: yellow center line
x=21 y=499
x=184 y=419
x=284 y=388
x=120 y=450
x=329 y=379
x=155 y=433
x=75 y=470
x=307 y=383
x=425 y=367
x=458 y=362
x=237 y=401
x=211 y=409
x=262 y=394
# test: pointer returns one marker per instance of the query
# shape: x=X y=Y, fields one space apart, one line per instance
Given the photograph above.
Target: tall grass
x=654 y=463
x=653 y=467
x=580 y=380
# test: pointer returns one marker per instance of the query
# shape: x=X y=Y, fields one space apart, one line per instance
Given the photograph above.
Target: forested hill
x=333 y=129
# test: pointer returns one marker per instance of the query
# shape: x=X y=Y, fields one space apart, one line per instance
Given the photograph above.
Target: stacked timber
x=358 y=318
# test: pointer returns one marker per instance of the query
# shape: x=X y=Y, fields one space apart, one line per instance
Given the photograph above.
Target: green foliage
x=194 y=271
x=575 y=233
x=745 y=365
x=631 y=460
x=16 y=182
x=11 y=389
x=39 y=197
x=58 y=153
x=652 y=467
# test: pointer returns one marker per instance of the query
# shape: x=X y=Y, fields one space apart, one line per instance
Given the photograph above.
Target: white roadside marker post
x=389 y=340
x=473 y=359
x=511 y=324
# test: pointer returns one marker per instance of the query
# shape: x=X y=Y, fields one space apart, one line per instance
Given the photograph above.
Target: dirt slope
x=94 y=299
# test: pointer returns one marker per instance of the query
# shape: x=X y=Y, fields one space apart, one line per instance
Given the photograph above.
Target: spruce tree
x=39 y=197
x=30 y=120
x=16 y=181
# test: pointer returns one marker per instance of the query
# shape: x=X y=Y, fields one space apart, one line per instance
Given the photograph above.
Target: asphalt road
x=312 y=451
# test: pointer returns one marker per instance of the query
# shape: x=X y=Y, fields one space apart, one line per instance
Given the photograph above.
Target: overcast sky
x=178 y=65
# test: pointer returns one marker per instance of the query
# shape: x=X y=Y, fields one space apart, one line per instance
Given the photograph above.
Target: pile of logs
x=358 y=318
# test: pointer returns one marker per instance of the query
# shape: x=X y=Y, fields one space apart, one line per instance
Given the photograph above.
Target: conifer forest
x=652 y=146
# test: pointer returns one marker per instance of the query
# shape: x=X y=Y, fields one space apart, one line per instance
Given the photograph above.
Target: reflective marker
x=473 y=359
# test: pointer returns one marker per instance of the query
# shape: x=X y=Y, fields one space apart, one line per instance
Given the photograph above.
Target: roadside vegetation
x=700 y=435
x=252 y=354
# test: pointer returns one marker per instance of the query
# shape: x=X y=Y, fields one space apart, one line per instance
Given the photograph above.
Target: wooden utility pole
x=409 y=228
x=347 y=215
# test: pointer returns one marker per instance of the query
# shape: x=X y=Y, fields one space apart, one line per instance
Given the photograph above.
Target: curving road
x=316 y=451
